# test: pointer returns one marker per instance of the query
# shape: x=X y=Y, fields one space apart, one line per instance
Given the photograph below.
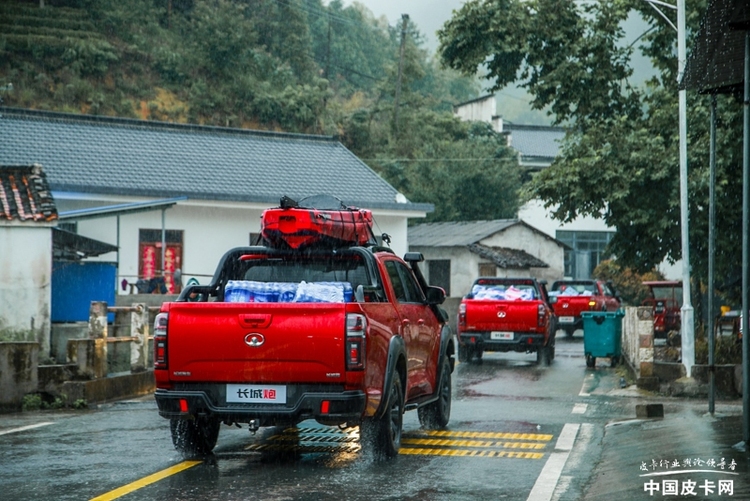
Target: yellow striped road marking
x=139 y=484
x=469 y=453
x=470 y=443
x=490 y=435
x=435 y=442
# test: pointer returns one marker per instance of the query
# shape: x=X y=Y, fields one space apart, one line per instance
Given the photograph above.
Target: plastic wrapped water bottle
x=237 y=291
x=287 y=291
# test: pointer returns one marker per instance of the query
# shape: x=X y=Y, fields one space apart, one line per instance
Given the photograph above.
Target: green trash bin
x=602 y=336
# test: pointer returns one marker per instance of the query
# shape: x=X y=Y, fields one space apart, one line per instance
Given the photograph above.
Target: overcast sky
x=428 y=15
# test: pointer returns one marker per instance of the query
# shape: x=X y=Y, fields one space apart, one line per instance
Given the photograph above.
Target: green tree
x=619 y=161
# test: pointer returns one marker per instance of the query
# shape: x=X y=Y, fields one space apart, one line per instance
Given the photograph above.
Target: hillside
x=285 y=65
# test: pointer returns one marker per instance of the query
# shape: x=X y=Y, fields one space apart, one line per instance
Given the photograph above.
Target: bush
x=628 y=284
x=727 y=350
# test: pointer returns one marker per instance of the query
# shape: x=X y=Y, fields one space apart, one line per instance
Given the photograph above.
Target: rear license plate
x=566 y=320
x=501 y=335
x=256 y=394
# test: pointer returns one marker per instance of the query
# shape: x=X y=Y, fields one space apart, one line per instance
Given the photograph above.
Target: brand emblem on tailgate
x=501 y=314
x=254 y=339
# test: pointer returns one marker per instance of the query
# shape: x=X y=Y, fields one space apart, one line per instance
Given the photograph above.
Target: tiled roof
x=25 y=194
x=464 y=233
x=141 y=158
x=455 y=234
x=504 y=257
x=535 y=141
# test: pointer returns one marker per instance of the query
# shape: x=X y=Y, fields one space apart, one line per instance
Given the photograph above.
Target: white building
x=537 y=147
x=176 y=197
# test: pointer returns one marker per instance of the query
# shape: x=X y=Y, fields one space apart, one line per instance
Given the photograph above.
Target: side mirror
x=435 y=295
x=412 y=257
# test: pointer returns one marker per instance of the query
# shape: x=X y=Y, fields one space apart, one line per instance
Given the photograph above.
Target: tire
x=543 y=355
x=194 y=436
x=569 y=332
x=383 y=434
x=463 y=353
x=590 y=361
x=435 y=415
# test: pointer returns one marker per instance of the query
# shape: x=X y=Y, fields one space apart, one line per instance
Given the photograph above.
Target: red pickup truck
x=506 y=314
x=570 y=298
x=336 y=333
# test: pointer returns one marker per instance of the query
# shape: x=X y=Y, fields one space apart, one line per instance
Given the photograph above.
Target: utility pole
x=686 y=320
x=687 y=339
x=328 y=49
x=404 y=23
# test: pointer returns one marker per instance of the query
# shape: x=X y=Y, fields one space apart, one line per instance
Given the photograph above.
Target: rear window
x=504 y=292
x=259 y=278
x=573 y=289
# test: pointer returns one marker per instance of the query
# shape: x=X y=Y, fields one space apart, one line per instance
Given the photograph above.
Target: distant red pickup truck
x=506 y=314
x=570 y=298
x=308 y=326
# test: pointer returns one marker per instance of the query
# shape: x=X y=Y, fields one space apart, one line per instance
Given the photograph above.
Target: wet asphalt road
x=518 y=431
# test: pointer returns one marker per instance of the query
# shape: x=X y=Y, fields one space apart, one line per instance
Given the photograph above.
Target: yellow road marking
x=484 y=434
x=469 y=453
x=470 y=443
x=139 y=484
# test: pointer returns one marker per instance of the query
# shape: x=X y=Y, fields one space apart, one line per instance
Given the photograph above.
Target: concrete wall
x=479 y=110
x=18 y=373
x=25 y=278
x=464 y=266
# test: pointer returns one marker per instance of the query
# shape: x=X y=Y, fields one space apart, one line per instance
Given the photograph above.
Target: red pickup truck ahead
x=506 y=314
x=570 y=298
x=337 y=333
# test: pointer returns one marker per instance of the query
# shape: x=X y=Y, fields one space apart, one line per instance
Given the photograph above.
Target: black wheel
x=478 y=352
x=194 y=436
x=544 y=355
x=569 y=331
x=590 y=361
x=383 y=434
x=463 y=353
x=436 y=415
x=613 y=361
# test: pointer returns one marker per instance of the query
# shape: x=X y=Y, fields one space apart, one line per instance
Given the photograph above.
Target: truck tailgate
x=483 y=315
x=256 y=342
x=572 y=306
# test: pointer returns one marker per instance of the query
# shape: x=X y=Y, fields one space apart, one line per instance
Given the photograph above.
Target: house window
x=439 y=273
x=150 y=259
x=487 y=270
x=587 y=251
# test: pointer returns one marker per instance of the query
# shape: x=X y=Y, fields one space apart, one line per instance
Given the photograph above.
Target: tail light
x=462 y=315
x=541 y=314
x=160 y=341
x=356 y=330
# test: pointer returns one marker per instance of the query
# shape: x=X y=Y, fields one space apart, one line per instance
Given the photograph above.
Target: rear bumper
x=303 y=402
x=577 y=323
x=522 y=342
